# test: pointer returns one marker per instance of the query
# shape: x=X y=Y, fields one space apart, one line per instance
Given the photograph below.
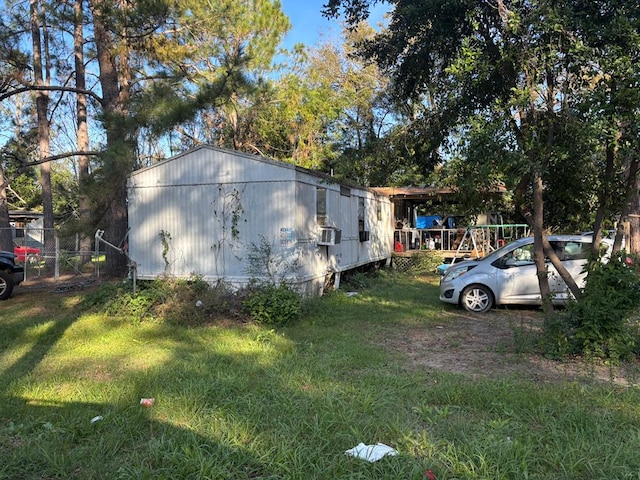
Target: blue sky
x=308 y=24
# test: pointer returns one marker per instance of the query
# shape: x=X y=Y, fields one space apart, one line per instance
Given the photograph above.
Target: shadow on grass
x=42 y=438
x=32 y=358
x=239 y=411
x=216 y=416
x=101 y=441
x=235 y=403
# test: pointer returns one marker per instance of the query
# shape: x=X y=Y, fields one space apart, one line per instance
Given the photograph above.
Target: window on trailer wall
x=321 y=206
x=361 y=214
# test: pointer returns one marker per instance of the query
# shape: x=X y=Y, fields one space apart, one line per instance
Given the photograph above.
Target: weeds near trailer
x=271 y=304
x=265 y=266
x=189 y=302
x=270 y=298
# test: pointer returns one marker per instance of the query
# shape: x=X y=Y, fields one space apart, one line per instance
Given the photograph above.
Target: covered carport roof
x=24 y=216
x=423 y=193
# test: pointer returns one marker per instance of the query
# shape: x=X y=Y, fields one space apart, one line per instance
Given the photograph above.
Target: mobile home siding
x=204 y=212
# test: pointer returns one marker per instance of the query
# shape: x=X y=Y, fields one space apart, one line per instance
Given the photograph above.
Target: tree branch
x=34 y=88
x=53 y=158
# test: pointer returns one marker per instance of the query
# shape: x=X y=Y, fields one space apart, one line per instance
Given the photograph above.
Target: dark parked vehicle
x=10 y=274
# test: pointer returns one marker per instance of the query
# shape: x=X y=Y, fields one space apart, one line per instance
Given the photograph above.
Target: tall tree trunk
x=115 y=97
x=541 y=246
x=538 y=244
x=42 y=105
x=629 y=224
x=82 y=132
x=633 y=242
x=604 y=196
x=6 y=238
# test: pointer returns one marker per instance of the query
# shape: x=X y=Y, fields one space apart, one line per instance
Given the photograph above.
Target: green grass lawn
x=240 y=401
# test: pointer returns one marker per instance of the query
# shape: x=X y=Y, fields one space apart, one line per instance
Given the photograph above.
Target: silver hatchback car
x=508 y=276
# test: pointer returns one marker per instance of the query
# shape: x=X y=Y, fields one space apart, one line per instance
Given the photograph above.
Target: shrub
x=189 y=302
x=272 y=304
x=426 y=263
x=118 y=299
x=598 y=324
x=195 y=302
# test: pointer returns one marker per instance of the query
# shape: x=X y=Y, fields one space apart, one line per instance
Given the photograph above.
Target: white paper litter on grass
x=371 y=453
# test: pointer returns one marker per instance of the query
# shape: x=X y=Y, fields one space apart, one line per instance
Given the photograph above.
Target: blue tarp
x=429 y=221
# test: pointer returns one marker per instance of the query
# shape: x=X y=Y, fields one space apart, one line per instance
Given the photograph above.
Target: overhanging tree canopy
x=528 y=70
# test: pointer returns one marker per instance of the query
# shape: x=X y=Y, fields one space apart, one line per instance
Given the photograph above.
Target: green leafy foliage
x=357 y=280
x=270 y=299
x=118 y=299
x=264 y=264
x=180 y=302
x=599 y=324
x=271 y=304
x=23 y=180
x=512 y=91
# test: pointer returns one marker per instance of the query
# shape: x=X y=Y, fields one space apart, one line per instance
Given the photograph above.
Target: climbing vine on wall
x=165 y=238
x=227 y=211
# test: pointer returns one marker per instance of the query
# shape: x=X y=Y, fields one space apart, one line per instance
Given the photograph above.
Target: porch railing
x=477 y=239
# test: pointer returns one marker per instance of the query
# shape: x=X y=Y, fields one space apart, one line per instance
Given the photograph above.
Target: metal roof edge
x=260 y=158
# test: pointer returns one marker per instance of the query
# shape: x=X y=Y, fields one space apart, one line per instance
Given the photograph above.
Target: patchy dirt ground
x=486 y=345
x=64 y=283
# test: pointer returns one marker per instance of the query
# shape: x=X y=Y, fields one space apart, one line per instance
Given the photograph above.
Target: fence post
x=97 y=244
x=77 y=258
x=56 y=274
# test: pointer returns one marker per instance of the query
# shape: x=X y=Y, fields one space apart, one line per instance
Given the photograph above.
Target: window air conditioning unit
x=363 y=235
x=330 y=236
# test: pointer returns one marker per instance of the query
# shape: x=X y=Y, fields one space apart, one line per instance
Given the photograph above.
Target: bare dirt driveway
x=498 y=343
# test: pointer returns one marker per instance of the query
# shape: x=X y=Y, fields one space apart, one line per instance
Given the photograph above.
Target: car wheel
x=6 y=285
x=477 y=298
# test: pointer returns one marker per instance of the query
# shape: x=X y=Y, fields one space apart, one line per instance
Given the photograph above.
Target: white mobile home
x=231 y=216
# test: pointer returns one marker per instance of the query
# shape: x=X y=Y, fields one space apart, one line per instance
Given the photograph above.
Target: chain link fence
x=45 y=254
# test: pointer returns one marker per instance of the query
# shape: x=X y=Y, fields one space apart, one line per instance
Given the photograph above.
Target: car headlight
x=454 y=273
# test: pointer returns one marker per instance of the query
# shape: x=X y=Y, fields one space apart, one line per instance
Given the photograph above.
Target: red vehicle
x=24 y=253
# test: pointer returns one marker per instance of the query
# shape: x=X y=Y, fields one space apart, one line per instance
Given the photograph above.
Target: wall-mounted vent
x=363 y=235
x=330 y=236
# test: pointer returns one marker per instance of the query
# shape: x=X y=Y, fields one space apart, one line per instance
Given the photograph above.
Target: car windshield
x=499 y=252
